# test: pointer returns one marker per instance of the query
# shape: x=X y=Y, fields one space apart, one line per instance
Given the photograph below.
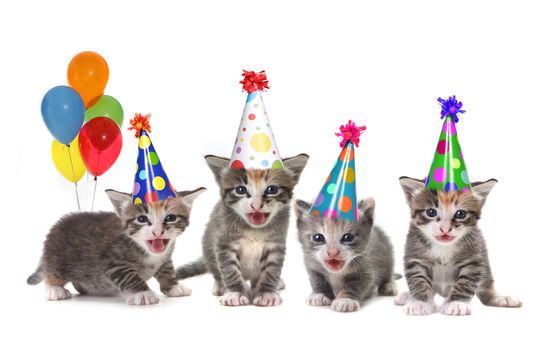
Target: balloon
x=88 y=74
x=106 y=106
x=63 y=112
x=59 y=153
x=100 y=144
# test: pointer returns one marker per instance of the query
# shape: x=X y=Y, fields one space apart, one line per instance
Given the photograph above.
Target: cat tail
x=397 y=276
x=195 y=268
x=37 y=276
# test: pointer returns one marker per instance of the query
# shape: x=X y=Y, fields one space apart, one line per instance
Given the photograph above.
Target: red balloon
x=100 y=144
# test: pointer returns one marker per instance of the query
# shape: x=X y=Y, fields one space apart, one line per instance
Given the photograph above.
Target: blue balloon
x=63 y=112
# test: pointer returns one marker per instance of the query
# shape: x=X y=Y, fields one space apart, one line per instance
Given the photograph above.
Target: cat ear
x=217 y=165
x=295 y=165
x=411 y=187
x=365 y=208
x=118 y=199
x=301 y=208
x=482 y=189
x=188 y=197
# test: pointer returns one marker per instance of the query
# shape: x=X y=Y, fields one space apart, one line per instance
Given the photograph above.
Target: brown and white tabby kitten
x=445 y=251
x=245 y=238
x=347 y=262
x=105 y=254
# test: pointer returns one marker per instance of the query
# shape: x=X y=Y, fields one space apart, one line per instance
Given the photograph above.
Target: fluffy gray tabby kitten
x=106 y=254
x=445 y=251
x=245 y=237
x=347 y=262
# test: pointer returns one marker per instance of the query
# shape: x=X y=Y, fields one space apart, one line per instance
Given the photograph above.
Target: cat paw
x=418 y=308
x=146 y=297
x=388 y=289
x=345 y=305
x=503 y=301
x=218 y=289
x=456 y=308
x=402 y=299
x=178 y=291
x=234 y=299
x=267 y=299
x=57 y=293
x=318 y=299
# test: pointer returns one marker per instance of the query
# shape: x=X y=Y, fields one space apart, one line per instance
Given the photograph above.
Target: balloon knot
x=350 y=133
x=451 y=107
x=254 y=81
x=140 y=122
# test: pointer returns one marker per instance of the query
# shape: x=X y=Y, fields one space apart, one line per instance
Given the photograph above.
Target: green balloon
x=106 y=106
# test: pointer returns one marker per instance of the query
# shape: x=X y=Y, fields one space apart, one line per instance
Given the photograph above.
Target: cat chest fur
x=250 y=252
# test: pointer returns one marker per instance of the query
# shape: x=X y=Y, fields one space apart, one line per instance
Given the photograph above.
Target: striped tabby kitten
x=106 y=254
x=347 y=262
x=445 y=251
x=245 y=237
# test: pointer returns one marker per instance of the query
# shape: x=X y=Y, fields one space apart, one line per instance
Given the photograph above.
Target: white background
x=381 y=64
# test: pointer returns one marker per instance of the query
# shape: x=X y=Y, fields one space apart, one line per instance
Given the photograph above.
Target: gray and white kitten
x=445 y=251
x=245 y=238
x=105 y=254
x=347 y=261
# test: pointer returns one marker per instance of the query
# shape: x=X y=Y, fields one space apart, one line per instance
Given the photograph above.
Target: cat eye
x=272 y=189
x=143 y=219
x=170 y=218
x=241 y=189
x=318 y=238
x=348 y=237
x=431 y=212
x=460 y=214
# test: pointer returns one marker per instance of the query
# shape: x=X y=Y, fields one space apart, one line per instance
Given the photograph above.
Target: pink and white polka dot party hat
x=151 y=182
x=255 y=146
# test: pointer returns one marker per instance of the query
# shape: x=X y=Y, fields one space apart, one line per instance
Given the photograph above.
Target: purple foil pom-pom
x=451 y=107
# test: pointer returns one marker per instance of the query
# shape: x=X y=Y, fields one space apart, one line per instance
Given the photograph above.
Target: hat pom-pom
x=451 y=107
x=254 y=81
x=140 y=122
x=350 y=133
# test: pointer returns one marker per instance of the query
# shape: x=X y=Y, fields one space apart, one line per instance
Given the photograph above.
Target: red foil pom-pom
x=350 y=133
x=254 y=81
x=140 y=122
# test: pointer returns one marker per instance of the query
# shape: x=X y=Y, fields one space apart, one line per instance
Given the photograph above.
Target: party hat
x=338 y=197
x=448 y=171
x=151 y=182
x=255 y=145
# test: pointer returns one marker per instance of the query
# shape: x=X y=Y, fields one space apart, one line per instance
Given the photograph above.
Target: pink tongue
x=258 y=218
x=157 y=245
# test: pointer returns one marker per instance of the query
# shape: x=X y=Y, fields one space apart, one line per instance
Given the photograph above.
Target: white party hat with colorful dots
x=255 y=146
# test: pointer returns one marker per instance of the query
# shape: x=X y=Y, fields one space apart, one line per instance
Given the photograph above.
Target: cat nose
x=444 y=229
x=156 y=234
x=256 y=206
x=332 y=253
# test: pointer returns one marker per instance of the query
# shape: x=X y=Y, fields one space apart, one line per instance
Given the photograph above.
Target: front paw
x=456 y=308
x=146 y=297
x=267 y=299
x=503 y=301
x=345 y=305
x=419 y=308
x=234 y=299
x=318 y=299
x=57 y=293
x=178 y=291
x=402 y=299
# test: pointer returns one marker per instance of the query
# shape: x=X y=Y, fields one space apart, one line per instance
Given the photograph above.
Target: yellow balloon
x=59 y=154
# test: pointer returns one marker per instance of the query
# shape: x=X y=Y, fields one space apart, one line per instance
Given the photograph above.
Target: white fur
x=345 y=305
x=143 y=298
x=443 y=252
x=248 y=205
x=418 y=308
x=151 y=263
x=456 y=308
x=267 y=299
x=218 y=288
x=444 y=277
x=402 y=299
x=336 y=281
x=250 y=252
x=179 y=291
x=318 y=299
x=234 y=299
x=57 y=293
x=506 y=301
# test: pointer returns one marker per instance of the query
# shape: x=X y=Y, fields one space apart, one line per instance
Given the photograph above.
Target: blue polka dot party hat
x=151 y=182
x=255 y=146
x=338 y=197
x=448 y=171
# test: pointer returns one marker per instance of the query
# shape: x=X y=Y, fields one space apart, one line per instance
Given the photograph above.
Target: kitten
x=347 y=261
x=245 y=237
x=105 y=254
x=445 y=251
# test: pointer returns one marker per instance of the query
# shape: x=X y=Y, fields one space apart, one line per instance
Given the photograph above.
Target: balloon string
x=94 y=191
x=74 y=178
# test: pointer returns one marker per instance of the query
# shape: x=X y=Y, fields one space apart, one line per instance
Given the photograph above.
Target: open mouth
x=257 y=218
x=157 y=245
x=445 y=238
x=335 y=264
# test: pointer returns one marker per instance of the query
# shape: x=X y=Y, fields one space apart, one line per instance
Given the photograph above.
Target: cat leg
x=356 y=288
x=322 y=294
x=387 y=288
x=265 y=288
x=55 y=289
x=466 y=285
x=420 y=298
x=168 y=281
x=232 y=278
x=131 y=285
x=488 y=296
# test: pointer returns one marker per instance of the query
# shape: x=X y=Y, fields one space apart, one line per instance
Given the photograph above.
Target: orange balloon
x=88 y=75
